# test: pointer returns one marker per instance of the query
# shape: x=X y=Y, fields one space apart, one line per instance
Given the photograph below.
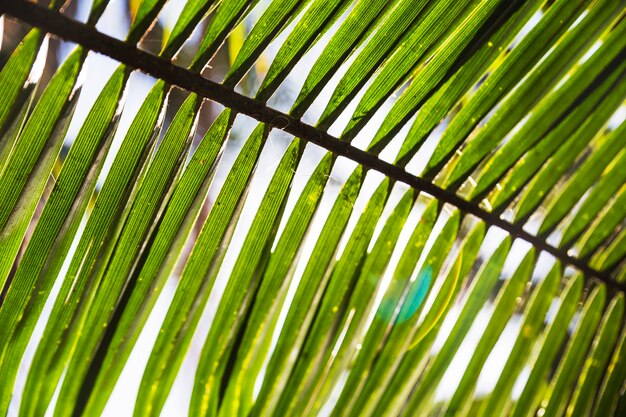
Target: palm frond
x=372 y=204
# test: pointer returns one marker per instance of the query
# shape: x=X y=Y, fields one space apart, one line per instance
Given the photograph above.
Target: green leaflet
x=476 y=25
x=558 y=393
x=192 y=13
x=606 y=187
x=385 y=313
x=549 y=344
x=331 y=308
x=306 y=297
x=352 y=32
x=608 y=394
x=278 y=15
x=242 y=283
x=621 y=276
x=441 y=102
x=181 y=212
x=614 y=254
x=445 y=295
x=604 y=225
x=359 y=305
x=409 y=369
x=514 y=67
x=151 y=197
x=313 y=24
x=17 y=88
x=226 y=17
x=192 y=293
x=584 y=177
x=556 y=152
x=390 y=35
x=553 y=107
x=408 y=55
x=27 y=169
x=96 y=242
x=597 y=360
x=532 y=324
x=55 y=231
x=97 y=8
x=475 y=299
x=146 y=13
x=566 y=155
x=541 y=80
x=399 y=331
x=273 y=290
x=504 y=307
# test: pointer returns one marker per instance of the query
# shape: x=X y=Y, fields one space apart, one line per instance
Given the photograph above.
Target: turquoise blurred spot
x=413 y=301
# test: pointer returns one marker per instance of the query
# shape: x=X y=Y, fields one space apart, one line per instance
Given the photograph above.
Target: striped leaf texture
x=345 y=208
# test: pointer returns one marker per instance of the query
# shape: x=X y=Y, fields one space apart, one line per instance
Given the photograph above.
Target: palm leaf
x=300 y=272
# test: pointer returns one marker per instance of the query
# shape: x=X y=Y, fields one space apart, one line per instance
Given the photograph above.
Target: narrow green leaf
x=532 y=324
x=608 y=395
x=597 y=360
x=399 y=24
x=331 y=309
x=147 y=11
x=97 y=8
x=584 y=177
x=607 y=186
x=277 y=15
x=361 y=21
x=405 y=376
x=474 y=28
x=541 y=80
x=408 y=54
x=197 y=281
x=604 y=225
x=242 y=283
x=566 y=155
x=313 y=24
x=378 y=368
x=17 y=89
x=514 y=67
x=320 y=381
x=385 y=313
x=556 y=152
x=476 y=297
x=182 y=210
x=559 y=392
x=548 y=345
x=306 y=298
x=504 y=307
x=256 y=340
x=609 y=58
x=95 y=245
x=442 y=101
x=613 y=255
x=621 y=276
x=27 y=169
x=55 y=230
x=226 y=17
x=190 y=16
x=153 y=194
